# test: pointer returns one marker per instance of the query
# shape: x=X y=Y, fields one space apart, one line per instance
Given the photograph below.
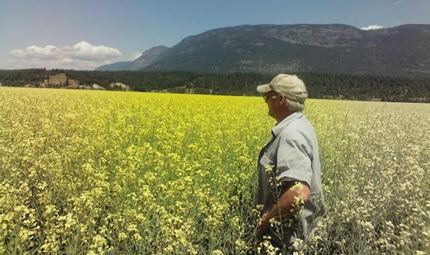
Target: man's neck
x=283 y=115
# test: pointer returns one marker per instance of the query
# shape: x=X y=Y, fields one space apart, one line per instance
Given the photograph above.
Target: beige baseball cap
x=290 y=85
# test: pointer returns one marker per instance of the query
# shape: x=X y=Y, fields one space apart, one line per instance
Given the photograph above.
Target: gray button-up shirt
x=291 y=155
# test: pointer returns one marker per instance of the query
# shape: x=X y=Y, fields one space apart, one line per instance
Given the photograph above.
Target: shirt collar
x=285 y=122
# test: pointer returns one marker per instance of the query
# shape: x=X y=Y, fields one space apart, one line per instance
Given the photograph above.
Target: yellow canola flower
x=108 y=173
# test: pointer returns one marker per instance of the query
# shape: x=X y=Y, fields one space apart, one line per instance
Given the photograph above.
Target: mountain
x=148 y=57
x=143 y=61
x=402 y=50
x=118 y=66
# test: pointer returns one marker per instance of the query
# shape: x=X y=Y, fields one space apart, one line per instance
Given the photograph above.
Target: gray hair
x=294 y=106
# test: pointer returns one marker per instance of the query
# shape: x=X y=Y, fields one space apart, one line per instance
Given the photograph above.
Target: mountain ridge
x=146 y=59
x=327 y=48
x=117 y=66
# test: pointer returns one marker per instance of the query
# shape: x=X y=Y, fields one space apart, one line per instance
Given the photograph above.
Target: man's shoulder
x=301 y=127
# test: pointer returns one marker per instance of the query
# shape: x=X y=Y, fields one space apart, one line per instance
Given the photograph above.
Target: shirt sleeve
x=294 y=161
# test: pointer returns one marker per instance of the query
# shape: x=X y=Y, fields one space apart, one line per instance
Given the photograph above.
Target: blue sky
x=84 y=34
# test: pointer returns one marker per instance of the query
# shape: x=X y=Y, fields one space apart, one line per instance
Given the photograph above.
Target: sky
x=84 y=34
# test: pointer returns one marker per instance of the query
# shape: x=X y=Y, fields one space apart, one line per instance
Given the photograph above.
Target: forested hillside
x=335 y=48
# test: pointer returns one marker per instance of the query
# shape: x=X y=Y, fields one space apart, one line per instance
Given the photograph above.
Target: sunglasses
x=266 y=96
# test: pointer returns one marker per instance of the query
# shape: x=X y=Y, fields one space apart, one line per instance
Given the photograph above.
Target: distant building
x=58 y=80
x=73 y=82
x=98 y=87
x=82 y=86
x=120 y=85
x=73 y=87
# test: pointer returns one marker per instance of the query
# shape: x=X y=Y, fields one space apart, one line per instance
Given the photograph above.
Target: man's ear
x=282 y=97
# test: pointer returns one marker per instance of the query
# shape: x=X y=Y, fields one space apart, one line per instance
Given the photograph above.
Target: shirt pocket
x=267 y=162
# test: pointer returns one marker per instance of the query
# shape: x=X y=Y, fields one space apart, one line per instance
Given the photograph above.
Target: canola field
x=90 y=172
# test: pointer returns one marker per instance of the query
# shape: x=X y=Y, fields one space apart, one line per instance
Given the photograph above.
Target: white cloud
x=86 y=51
x=65 y=63
x=81 y=56
x=372 y=27
x=36 y=52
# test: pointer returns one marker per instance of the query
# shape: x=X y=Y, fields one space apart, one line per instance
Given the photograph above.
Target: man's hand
x=285 y=207
x=263 y=226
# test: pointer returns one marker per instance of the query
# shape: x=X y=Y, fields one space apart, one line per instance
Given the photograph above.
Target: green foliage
x=320 y=85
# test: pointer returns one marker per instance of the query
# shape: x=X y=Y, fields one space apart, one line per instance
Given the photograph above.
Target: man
x=289 y=196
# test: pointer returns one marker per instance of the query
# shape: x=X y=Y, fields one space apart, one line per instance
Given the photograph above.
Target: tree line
x=320 y=85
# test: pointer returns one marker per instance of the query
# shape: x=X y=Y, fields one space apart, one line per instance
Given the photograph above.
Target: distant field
x=95 y=172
